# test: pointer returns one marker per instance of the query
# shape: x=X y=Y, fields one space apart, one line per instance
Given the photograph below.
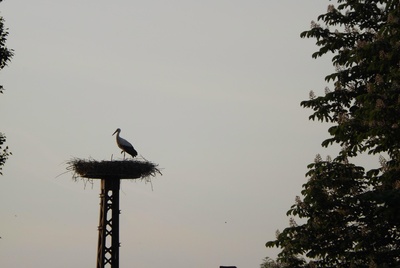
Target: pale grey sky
x=209 y=90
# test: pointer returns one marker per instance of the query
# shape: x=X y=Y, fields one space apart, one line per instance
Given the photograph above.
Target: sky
x=208 y=90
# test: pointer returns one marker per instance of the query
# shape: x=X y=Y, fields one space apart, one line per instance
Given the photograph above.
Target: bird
x=124 y=145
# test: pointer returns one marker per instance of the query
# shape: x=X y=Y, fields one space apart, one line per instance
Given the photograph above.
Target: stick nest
x=124 y=169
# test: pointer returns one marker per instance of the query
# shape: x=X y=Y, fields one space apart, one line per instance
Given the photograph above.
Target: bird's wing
x=124 y=142
x=131 y=151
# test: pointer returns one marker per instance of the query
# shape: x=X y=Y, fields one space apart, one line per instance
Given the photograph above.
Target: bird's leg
x=124 y=155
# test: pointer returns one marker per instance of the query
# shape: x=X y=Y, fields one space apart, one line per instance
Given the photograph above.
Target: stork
x=124 y=145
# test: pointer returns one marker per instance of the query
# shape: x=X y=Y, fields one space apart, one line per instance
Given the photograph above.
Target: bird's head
x=118 y=130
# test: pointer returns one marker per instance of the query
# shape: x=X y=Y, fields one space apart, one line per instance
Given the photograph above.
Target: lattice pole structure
x=108 y=241
x=111 y=173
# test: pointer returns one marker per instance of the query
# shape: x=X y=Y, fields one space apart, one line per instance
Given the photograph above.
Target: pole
x=108 y=241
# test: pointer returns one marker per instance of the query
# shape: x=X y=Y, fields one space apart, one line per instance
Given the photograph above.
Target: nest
x=124 y=169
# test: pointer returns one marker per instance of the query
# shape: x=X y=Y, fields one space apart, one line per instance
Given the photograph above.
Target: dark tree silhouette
x=269 y=263
x=5 y=56
x=351 y=214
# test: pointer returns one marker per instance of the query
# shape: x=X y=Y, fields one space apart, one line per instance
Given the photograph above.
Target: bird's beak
x=114 y=132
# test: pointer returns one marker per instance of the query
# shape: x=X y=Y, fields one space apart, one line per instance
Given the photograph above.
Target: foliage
x=5 y=53
x=269 y=263
x=5 y=56
x=352 y=214
x=4 y=153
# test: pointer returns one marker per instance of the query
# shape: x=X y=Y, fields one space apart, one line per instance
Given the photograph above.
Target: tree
x=5 y=56
x=351 y=214
x=269 y=263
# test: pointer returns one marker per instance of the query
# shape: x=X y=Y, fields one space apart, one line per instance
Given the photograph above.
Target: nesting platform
x=123 y=169
x=110 y=173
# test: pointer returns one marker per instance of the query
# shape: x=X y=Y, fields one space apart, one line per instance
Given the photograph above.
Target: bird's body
x=124 y=145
